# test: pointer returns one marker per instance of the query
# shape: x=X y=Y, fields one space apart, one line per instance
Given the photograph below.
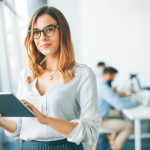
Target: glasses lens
x=29 y=32
x=49 y=31
x=36 y=34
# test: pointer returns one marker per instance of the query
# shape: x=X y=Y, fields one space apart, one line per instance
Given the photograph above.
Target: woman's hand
x=61 y=126
x=40 y=118
x=7 y=124
x=1 y=120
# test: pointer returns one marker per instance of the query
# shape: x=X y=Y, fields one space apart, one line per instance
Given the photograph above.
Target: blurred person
x=100 y=68
x=107 y=99
x=121 y=94
x=61 y=93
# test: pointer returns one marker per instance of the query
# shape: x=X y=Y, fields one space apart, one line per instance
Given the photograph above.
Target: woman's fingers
x=39 y=116
x=29 y=105
x=24 y=101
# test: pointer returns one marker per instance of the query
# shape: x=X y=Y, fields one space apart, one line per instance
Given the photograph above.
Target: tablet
x=10 y=106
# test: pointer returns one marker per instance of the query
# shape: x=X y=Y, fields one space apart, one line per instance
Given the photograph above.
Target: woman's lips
x=45 y=45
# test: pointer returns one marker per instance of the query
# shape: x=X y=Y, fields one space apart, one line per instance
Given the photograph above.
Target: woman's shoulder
x=82 y=68
x=85 y=75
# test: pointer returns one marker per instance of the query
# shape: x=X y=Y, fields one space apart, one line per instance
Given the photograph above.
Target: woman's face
x=47 y=45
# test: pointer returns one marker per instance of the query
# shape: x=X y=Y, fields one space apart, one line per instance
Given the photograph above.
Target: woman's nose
x=43 y=36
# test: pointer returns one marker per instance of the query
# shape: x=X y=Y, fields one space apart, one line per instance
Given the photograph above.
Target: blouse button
x=82 y=64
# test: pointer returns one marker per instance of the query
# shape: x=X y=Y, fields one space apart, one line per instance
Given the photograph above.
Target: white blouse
x=75 y=101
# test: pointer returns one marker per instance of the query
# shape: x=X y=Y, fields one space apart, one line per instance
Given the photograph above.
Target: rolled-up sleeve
x=87 y=131
x=18 y=120
x=16 y=134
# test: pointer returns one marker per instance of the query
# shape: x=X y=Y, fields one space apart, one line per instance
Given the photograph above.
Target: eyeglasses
x=48 y=31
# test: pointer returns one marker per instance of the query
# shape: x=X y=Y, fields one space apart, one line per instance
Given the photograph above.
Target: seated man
x=107 y=99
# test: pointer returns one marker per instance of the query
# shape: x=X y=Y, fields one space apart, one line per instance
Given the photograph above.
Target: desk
x=137 y=114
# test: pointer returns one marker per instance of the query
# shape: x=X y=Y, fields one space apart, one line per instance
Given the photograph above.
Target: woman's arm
x=61 y=126
x=8 y=125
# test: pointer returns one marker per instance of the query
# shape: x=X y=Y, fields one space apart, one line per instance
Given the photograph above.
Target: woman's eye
x=50 y=29
x=36 y=32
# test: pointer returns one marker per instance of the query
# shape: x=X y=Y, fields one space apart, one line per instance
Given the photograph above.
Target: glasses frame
x=55 y=26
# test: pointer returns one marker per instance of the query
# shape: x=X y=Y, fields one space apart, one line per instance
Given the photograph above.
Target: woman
x=61 y=93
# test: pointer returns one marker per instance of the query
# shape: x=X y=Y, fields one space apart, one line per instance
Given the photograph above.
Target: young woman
x=61 y=93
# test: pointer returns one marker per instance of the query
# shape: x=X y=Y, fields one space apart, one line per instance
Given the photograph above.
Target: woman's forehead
x=43 y=21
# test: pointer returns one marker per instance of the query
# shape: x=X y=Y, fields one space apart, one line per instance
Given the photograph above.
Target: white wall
x=116 y=32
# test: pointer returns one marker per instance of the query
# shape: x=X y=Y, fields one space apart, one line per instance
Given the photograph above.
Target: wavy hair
x=36 y=60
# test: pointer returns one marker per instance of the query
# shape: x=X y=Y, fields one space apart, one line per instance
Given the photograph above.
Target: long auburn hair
x=36 y=60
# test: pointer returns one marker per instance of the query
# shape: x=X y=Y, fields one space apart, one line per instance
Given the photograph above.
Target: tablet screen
x=10 y=106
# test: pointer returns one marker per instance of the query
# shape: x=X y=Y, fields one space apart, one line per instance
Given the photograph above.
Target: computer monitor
x=135 y=82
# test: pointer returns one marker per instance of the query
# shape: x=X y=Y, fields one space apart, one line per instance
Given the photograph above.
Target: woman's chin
x=47 y=53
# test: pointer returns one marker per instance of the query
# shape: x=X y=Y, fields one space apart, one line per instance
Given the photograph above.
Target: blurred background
x=116 y=32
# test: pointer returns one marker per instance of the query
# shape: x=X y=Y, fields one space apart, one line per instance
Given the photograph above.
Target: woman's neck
x=52 y=62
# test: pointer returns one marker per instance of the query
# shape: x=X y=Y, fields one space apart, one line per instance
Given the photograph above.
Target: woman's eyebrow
x=36 y=29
